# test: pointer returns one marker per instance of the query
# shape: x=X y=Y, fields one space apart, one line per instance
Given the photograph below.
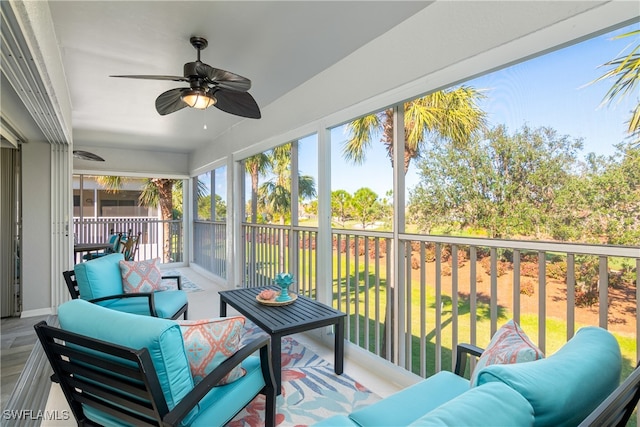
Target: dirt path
x=622 y=302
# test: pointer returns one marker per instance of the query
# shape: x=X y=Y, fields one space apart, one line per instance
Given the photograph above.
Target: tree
x=365 y=207
x=451 y=115
x=626 y=72
x=503 y=183
x=156 y=192
x=256 y=166
x=340 y=202
x=613 y=186
x=204 y=208
x=274 y=195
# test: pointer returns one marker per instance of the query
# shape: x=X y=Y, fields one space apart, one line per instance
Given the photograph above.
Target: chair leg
x=270 y=407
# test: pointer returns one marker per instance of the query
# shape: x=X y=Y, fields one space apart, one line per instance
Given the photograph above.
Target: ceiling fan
x=207 y=86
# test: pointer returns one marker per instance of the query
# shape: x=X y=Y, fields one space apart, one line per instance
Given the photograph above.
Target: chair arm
x=461 y=356
x=263 y=344
x=178 y=280
x=148 y=295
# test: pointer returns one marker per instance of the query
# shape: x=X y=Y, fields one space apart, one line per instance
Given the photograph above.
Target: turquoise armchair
x=100 y=281
x=122 y=369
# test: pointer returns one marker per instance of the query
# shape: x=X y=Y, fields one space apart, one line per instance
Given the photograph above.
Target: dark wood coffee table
x=302 y=315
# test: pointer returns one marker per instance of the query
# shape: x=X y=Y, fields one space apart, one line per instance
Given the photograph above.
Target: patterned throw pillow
x=210 y=342
x=141 y=276
x=509 y=345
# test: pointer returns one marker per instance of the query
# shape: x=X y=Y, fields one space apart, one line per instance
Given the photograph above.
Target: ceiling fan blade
x=222 y=78
x=170 y=101
x=238 y=103
x=87 y=155
x=145 y=77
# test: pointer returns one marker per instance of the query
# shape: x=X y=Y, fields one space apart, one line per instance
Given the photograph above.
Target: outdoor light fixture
x=197 y=98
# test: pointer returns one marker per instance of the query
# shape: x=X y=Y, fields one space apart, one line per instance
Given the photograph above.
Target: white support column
x=192 y=216
x=324 y=251
x=235 y=218
x=294 y=265
x=61 y=222
x=398 y=263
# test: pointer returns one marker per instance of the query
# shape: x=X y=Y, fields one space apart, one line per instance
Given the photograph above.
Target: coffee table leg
x=276 y=359
x=223 y=308
x=338 y=365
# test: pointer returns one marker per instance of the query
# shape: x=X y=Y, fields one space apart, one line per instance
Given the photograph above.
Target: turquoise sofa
x=561 y=390
x=100 y=281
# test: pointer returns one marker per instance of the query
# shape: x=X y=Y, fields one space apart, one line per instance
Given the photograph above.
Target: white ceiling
x=278 y=45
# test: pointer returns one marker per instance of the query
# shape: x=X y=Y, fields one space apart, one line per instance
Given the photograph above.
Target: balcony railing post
x=603 y=285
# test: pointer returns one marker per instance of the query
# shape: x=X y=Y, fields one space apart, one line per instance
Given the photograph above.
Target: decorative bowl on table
x=270 y=297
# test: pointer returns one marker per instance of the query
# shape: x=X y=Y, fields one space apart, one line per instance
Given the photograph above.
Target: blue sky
x=551 y=90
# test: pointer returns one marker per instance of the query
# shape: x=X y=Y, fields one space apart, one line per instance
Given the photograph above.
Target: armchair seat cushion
x=167 y=303
x=218 y=407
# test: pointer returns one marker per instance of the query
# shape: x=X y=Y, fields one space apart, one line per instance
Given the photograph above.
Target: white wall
x=143 y=163
x=36 y=228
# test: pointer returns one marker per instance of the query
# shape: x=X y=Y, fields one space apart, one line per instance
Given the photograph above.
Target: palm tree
x=451 y=114
x=255 y=166
x=626 y=72
x=156 y=192
x=275 y=195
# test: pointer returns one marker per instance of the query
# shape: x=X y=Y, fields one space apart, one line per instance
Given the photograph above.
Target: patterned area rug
x=311 y=391
x=187 y=285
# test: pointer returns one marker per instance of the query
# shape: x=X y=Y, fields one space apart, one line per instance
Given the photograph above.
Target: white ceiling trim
x=22 y=65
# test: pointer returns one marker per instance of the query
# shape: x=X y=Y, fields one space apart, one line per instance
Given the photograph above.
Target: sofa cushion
x=141 y=276
x=493 y=404
x=565 y=387
x=209 y=342
x=406 y=406
x=160 y=336
x=99 y=277
x=508 y=345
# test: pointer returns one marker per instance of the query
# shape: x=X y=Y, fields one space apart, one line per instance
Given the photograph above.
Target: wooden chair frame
x=123 y=383
x=618 y=407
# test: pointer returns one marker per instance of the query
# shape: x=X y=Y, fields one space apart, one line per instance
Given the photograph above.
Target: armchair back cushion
x=578 y=376
x=99 y=277
x=161 y=337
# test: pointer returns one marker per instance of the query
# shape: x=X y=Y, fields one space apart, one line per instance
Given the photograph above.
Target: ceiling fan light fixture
x=198 y=99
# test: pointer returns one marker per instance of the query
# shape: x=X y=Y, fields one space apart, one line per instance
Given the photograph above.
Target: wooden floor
x=18 y=340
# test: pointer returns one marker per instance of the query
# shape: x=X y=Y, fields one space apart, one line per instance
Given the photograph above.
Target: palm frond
x=361 y=132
